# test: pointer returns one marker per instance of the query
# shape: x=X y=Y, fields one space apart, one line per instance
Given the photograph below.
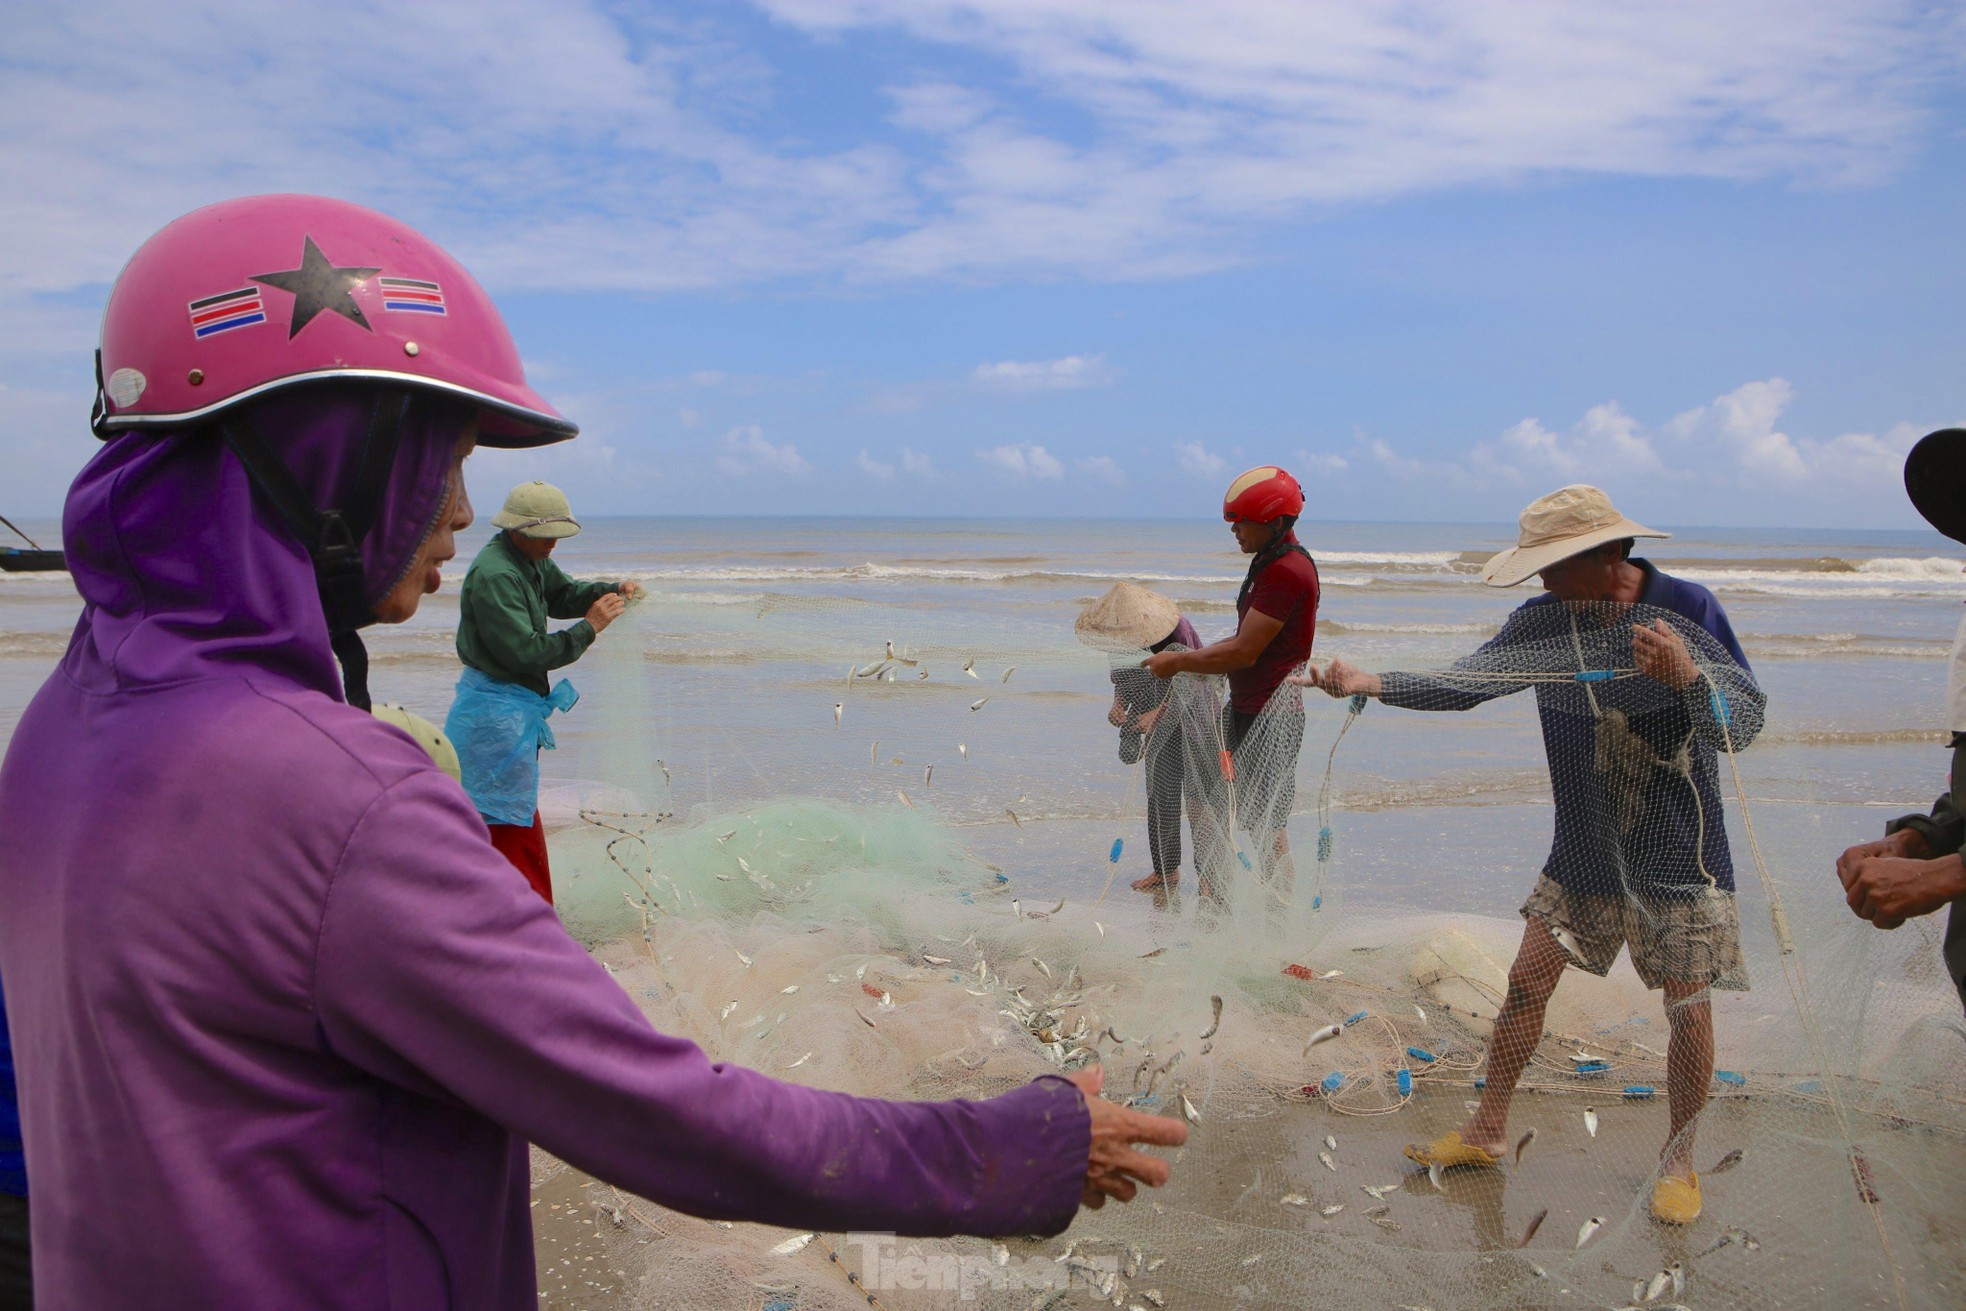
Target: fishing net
x=906 y=873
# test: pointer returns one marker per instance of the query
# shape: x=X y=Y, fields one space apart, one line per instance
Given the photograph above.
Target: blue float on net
x=1405 y=1083
x=1358 y=703
x=1003 y=878
x=1596 y=675
x=1731 y=1078
x=1480 y=1084
x=1316 y=902
x=1333 y=1082
x=1115 y=856
x=1638 y=1090
x=1324 y=844
x=1721 y=710
x=967 y=899
x=1592 y=1067
x=1243 y=856
x=1355 y=1017
x=1421 y=1054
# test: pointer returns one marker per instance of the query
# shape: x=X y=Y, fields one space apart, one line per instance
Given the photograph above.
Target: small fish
x=928 y=773
x=865 y=1019
x=1018 y=907
x=1535 y=1223
x=1677 y=1273
x=1251 y=1259
x=1324 y=1159
x=1434 y=1175
x=935 y=960
x=979 y=703
x=1726 y=1162
x=861 y=973
x=874 y=753
x=1188 y=1110
x=1330 y=974
x=904 y=798
x=1293 y=1199
x=1333 y=1209
x=742 y=958
x=1013 y=814
x=1327 y=1032
x=969 y=666
x=1102 y=930
x=792 y=1245
x=1214 y=1023
x=1331 y=1142
x=1371 y=1211
x=922 y=674
x=1376 y=1192
x=1422 y=1014
x=839 y=712
x=1740 y=1236
x=1522 y=1145
x=1657 y=1286
x=801 y=1061
x=1387 y=1223
x=1154 y=1296
x=1007 y=673
x=868 y=671
x=1001 y=1255
x=724 y=1014
x=896 y=760
x=1590 y=1120
x=745 y=865
x=1588 y=1229
x=962 y=749
x=1149 y=955
x=727 y=837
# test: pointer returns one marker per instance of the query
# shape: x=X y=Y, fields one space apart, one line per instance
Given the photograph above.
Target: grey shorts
x=1693 y=940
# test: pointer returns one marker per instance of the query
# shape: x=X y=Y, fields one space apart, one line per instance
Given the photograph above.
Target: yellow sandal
x=1448 y=1151
x=1676 y=1201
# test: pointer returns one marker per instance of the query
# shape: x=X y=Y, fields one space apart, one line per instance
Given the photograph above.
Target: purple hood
x=284 y=1021
x=186 y=573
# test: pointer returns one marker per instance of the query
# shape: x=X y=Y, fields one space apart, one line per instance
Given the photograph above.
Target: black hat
x=1935 y=479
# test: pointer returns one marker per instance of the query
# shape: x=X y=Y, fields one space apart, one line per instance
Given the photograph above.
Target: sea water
x=752 y=626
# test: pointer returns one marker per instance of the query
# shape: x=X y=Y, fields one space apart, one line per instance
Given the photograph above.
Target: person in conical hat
x=498 y=720
x=1130 y=618
x=1916 y=868
x=1664 y=888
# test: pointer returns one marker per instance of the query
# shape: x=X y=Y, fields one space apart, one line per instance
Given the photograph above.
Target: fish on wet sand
x=1522 y=1145
x=1588 y=1230
x=1215 y=1020
x=1726 y=1162
x=1590 y=1120
x=1535 y=1223
x=1328 y=1032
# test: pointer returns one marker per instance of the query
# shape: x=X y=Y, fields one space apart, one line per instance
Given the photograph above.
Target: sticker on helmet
x=411 y=294
x=211 y=315
x=319 y=285
x=125 y=386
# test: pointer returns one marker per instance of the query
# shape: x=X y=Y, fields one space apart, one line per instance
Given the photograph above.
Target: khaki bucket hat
x=537 y=509
x=1567 y=522
x=1128 y=615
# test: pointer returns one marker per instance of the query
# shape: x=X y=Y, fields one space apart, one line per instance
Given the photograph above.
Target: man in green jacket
x=498 y=721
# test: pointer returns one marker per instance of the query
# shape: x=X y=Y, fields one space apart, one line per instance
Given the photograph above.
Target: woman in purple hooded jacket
x=284 y=1021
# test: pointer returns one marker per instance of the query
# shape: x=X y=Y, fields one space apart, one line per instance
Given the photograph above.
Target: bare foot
x=1156 y=883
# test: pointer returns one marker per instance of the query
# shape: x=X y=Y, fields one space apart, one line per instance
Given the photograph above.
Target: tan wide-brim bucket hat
x=537 y=509
x=1128 y=615
x=1567 y=522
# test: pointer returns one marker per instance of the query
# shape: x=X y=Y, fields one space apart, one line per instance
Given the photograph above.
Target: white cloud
x=875 y=468
x=1319 y=462
x=1196 y=459
x=1044 y=375
x=917 y=464
x=1022 y=461
x=1101 y=467
x=744 y=451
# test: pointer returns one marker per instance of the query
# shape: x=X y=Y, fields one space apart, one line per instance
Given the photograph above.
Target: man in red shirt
x=1276 y=621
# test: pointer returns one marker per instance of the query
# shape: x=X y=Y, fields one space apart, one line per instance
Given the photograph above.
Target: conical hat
x=1127 y=615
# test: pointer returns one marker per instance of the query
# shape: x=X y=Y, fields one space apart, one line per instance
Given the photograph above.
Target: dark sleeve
x=1461 y=685
x=569 y=598
x=1944 y=830
x=504 y=626
x=439 y=970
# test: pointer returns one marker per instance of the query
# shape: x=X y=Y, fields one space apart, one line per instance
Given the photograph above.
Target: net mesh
x=907 y=873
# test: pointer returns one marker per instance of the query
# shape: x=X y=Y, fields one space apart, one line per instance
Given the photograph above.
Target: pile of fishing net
x=887 y=883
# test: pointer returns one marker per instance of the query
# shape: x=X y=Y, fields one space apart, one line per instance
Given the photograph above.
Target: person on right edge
x=1915 y=869
x=1664 y=887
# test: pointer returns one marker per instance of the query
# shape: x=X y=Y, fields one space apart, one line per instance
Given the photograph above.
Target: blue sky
x=1077 y=256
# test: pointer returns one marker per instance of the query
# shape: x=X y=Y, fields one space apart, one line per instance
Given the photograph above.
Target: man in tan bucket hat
x=1640 y=856
x=498 y=721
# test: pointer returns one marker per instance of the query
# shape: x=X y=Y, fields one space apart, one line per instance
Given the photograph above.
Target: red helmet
x=1262 y=494
x=249 y=296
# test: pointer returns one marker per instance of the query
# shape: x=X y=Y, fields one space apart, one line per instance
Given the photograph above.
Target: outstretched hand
x=1339 y=679
x=1114 y=1168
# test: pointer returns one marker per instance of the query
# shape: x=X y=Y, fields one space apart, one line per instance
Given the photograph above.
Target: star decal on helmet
x=318 y=285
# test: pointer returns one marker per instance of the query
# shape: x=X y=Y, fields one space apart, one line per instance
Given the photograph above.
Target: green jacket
x=502 y=614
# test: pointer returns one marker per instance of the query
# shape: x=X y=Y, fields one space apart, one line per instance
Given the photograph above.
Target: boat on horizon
x=35 y=559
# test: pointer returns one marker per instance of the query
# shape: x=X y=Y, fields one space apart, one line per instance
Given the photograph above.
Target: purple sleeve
x=439 y=969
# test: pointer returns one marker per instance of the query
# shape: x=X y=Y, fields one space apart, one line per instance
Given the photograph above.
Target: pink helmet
x=247 y=296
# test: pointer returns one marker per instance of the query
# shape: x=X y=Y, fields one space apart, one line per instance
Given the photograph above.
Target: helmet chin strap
x=332 y=537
